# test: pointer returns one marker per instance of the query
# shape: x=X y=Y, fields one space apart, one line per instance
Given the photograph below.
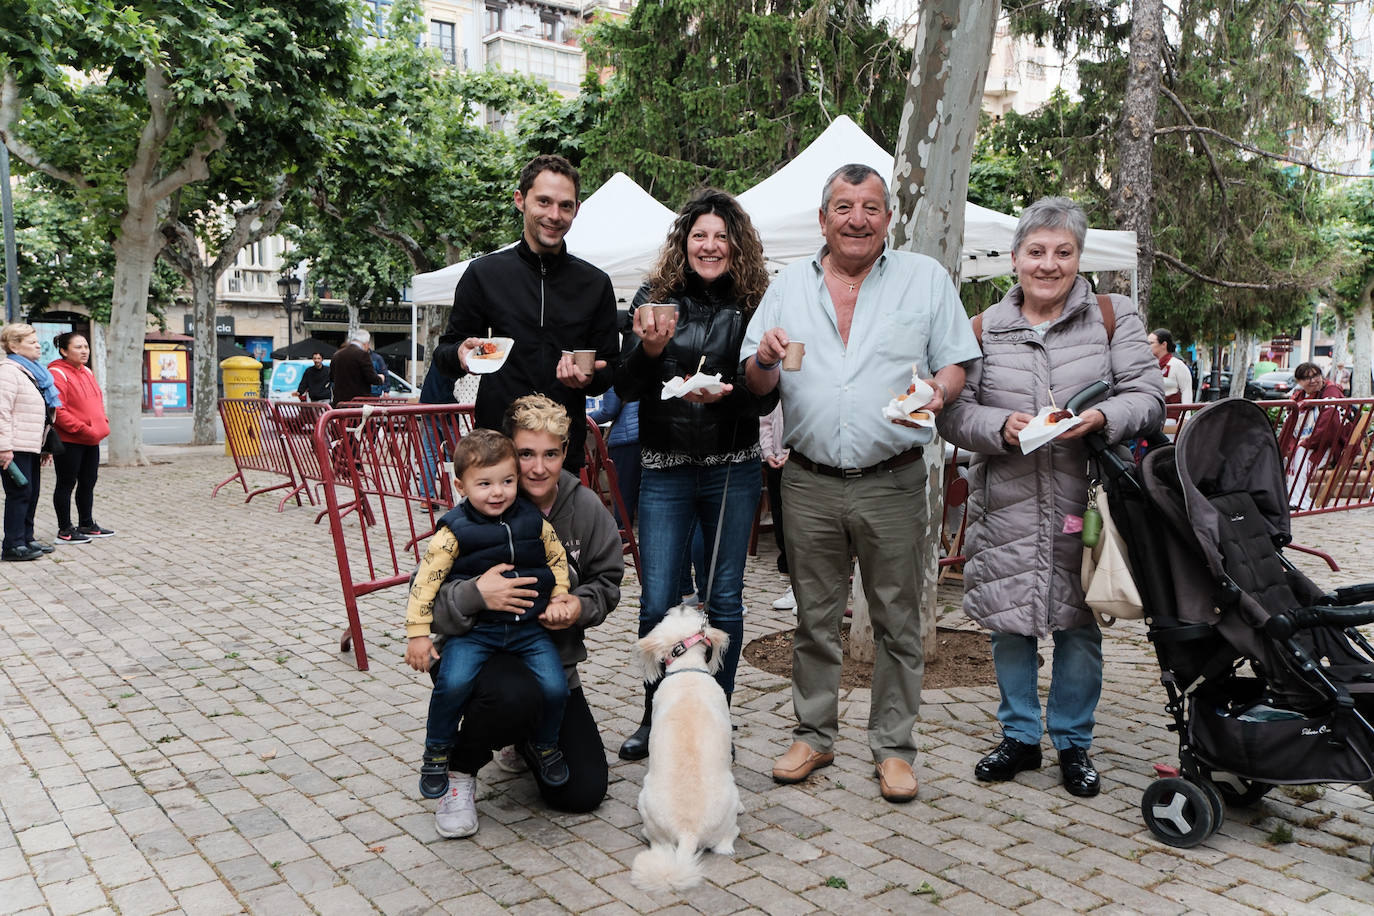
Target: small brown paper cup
x=585 y=360
x=792 y=359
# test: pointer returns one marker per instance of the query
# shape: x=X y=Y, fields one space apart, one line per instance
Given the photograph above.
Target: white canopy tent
x=785 y=205
x=621 y=227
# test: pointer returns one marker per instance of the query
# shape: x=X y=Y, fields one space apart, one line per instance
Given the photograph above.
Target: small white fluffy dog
x=689 y=801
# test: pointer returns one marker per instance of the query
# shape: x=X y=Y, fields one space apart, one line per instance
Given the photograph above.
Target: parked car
x=286 y=375
x=1206 y=392
x=1271 y=386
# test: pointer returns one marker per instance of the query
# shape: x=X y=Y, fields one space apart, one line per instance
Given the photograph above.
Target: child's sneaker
x=70 y=535
x=457 y=812
x=434 y=772
x=552 y=768
x=509 y=759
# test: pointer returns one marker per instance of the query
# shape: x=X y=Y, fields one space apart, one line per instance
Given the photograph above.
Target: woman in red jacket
x=81 y=424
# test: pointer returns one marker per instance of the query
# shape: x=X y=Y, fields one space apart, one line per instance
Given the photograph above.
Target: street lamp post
x=289 y=286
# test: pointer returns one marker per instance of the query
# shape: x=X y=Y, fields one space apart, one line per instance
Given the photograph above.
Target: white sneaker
x=457 y=812
x=509 y=759
x=786 y=601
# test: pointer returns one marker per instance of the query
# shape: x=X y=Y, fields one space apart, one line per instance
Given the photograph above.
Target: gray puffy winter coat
x=1022 y=569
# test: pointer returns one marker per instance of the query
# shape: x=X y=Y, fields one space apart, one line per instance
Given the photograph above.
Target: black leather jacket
x=712 y=323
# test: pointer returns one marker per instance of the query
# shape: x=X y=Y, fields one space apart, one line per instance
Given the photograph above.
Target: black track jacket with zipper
x=546 y=304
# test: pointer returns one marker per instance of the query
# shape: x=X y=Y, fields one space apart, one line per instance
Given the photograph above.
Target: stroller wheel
x=1214 y=798
x=1237 y=790
x=1177 y=812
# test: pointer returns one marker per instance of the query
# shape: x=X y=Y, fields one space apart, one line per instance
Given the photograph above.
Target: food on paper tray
x=677 y=386
x=490 y=354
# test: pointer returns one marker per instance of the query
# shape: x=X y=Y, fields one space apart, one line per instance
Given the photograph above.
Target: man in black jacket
x=315 y=381
x=549 y=302
x=351 y=370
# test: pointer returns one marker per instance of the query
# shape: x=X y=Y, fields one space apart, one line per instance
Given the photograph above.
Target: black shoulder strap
x=1104 y=305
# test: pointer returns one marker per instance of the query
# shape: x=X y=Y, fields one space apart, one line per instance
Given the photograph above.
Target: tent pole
x=1135 y=287
x=414 y=306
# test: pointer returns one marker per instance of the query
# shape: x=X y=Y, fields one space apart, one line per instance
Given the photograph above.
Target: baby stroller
x=1268 y=681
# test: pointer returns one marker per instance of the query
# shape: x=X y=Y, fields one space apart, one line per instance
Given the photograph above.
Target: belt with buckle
x=888 y=464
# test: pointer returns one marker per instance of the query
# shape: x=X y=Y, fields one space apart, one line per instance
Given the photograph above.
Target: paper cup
x=585 y=360
x=792 y=359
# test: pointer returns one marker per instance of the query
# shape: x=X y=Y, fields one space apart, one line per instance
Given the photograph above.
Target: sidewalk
x=181 y=734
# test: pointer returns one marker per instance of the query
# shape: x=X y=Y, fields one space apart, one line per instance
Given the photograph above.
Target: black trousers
x=21 y=503
x=774 y=477
x=505 y=708
x=76 y=468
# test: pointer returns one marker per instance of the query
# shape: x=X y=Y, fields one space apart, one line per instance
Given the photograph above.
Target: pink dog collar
x=687 y=643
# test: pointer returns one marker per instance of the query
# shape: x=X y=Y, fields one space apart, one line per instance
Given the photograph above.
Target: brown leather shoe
x=896 y=780
x=797 y=764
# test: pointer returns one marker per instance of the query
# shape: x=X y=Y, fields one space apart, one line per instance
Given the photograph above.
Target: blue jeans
x=670 y=502
x=1075 y=686
x=461 y=660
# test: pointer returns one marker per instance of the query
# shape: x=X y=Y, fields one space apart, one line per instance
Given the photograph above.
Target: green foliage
x=409 y=179
x=723 y=92
x=1354 y=234
x=1243 y=69
x=64 y=255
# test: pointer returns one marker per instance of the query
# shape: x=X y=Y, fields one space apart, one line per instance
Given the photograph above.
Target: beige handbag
x=1107 y=583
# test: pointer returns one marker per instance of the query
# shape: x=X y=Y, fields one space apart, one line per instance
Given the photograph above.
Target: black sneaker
x=70 y=535
x=93 y=530
x=20 y=553
x=550 y=766
x=434 y=773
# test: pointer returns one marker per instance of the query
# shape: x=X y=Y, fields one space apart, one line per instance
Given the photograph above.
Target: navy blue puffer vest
x=483 y=542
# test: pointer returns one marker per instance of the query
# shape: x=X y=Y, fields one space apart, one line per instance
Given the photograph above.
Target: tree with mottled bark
x=944 y=94
x=1132 y=188
x=129 y=104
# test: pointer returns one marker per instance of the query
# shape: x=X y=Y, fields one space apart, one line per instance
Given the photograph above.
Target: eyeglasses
x=1307 y=378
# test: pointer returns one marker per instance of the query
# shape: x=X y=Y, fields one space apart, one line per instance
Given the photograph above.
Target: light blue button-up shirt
x=908 y=314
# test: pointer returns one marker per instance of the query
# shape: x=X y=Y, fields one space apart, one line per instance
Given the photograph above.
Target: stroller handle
x=1282 y=626
x=1087 y=396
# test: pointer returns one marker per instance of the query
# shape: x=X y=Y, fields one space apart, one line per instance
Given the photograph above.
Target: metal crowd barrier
x=599 y=476
x=255 y=442
x=391 y=464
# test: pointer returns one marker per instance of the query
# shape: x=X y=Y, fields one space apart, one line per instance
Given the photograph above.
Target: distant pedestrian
x=1178 y=378
x=27 y=401
x=379 y=367
x=315 y=384
x=351 y=370
x=81 y=425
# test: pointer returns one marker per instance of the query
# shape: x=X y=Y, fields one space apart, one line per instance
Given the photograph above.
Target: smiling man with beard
x=546 y=300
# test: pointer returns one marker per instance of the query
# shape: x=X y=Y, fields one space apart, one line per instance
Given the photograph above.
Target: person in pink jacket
x=81 y=424
x=26 y=395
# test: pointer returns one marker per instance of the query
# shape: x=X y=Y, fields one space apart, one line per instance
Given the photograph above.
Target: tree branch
x=1217 y=281
x=1206 y=147
x=412 y=249
x=9 y=110
x=1182 y=129
x=266 y=212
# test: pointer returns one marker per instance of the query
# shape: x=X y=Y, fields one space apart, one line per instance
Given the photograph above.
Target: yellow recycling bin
x=242 y=379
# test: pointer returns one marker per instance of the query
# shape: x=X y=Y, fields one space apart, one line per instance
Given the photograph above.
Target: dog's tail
x=664 y=868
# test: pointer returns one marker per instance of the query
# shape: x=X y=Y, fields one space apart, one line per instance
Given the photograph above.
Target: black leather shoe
x=636 y=747
x=41 y=547
x=1077 y=769
x=22 y=552
x=1009 y=758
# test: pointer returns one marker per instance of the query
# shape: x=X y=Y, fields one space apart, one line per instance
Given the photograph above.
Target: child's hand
x=420 y=653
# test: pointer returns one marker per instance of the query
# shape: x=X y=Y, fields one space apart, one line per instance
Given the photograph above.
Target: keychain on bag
x=1092 y=518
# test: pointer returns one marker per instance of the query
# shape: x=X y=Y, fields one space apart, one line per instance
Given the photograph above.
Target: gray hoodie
x=596 y=565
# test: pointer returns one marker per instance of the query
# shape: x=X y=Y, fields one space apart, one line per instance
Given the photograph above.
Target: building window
x=550 y=26
x=441 y=37
x=380 y=10
x=235 y=284
x=496 y=16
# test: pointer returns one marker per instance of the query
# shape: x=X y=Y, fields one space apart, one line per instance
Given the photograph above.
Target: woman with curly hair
x=699 y=452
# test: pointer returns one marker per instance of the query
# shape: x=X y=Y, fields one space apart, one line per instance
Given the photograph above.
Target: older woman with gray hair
x=1048 y=339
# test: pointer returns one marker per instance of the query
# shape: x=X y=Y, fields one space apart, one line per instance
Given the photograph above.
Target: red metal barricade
x=599 y=476
x=392 y=461
x=296 y=421
x=255 y=442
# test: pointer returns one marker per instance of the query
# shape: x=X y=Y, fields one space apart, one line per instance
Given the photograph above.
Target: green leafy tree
x=1237 y=231
x=723 y=92
x=406 y=163
x=129 y=104
x=1353 y=293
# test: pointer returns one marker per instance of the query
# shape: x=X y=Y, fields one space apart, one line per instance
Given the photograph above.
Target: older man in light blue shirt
x=855 y=485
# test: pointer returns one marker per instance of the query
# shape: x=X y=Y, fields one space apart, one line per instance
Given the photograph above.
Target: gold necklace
x=830 y=269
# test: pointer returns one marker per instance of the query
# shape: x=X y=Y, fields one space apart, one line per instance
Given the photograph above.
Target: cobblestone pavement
x=182 y=734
